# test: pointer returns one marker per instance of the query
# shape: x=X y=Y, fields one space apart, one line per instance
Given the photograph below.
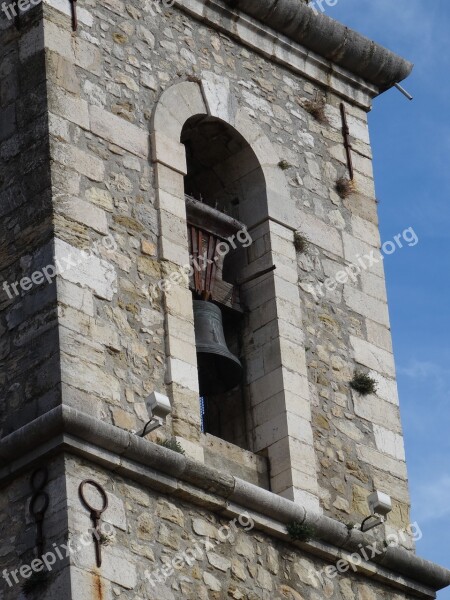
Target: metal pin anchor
x=96 y=514
x=74 y=15
x=38 y=482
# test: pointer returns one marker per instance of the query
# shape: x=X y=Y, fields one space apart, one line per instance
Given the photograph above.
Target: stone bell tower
x=188 y=215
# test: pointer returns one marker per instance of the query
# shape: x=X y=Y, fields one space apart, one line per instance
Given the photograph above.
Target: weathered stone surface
x=86 y=270
x=118 y=131
x=118 y=341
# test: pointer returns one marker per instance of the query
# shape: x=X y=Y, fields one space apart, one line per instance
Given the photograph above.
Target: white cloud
x=436 y=375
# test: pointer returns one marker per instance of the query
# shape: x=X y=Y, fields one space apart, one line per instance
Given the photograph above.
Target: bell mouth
x=219 y=371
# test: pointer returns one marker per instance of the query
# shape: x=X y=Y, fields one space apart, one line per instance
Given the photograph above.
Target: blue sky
x=411 y=142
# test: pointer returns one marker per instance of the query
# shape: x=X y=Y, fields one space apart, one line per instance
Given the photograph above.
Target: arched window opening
x=222 y=185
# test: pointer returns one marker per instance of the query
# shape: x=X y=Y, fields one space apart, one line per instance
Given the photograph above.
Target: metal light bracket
x=367 y=526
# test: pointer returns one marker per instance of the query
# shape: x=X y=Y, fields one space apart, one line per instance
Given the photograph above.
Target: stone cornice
x=65 y=429
x=281 y=46
x=330 y=39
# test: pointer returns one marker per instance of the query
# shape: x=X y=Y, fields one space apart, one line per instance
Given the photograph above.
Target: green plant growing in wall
x=363 y=383
x=300 y=532
x=172 y=444
x=301 y=244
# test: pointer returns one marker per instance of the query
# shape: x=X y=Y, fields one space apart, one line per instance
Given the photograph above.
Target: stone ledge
x=330 y=39
x=281 y=49
x=66 y=429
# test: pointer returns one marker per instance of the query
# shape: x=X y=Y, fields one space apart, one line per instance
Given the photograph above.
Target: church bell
x=219 y=370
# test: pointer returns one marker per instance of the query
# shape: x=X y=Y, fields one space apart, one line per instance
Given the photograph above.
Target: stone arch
x=282 y=417
x=211 y=96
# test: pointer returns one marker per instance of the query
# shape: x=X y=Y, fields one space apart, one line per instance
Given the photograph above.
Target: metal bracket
x=346 y=135
x=150 y=426
x=74 y=15
x=367 y=527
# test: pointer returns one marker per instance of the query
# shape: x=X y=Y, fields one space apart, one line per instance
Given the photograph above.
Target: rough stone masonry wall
x=19 y=532
x=150 y=530
x=358 y=439
x=29 y=379
x=102 y=86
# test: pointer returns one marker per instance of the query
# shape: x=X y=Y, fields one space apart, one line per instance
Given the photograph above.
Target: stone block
x=86 y=270
x=182 y=373
x=90 y=378
x=320 y=234
x=192 y=450
x=168 y=152
x=173 y=228
x=85 y=585
x=178 y=301
x=268 y=433
x=284 y=401
x=173 y=205
x=68 y=106
x=105 y=334
x=396 y=468
x=101 y=198
x=386 y=388
x=365 y=231
x=394 y=487
x=119 y=131
x=217 y=93
x=300 y=431
x=72 y=295
x=173 y=252
x=79 y=160
x=366 y=305
x=377 y=411
x=303 y=498
x=355 y=251
x=59 y=41
x=370 y=356
x=83 y=15
x=59 y=128
x=379 y=335
x=389 y=442
x=84 y=212
x=88 y=56
x=169 y=181
x=374 y=286
x=181 y=349
x=118 y=565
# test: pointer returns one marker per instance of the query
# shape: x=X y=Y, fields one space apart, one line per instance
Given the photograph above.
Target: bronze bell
x=219 y=370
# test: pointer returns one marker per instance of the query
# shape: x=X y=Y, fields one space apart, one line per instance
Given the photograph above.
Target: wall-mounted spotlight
x=380 y=505
x=158 y=407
